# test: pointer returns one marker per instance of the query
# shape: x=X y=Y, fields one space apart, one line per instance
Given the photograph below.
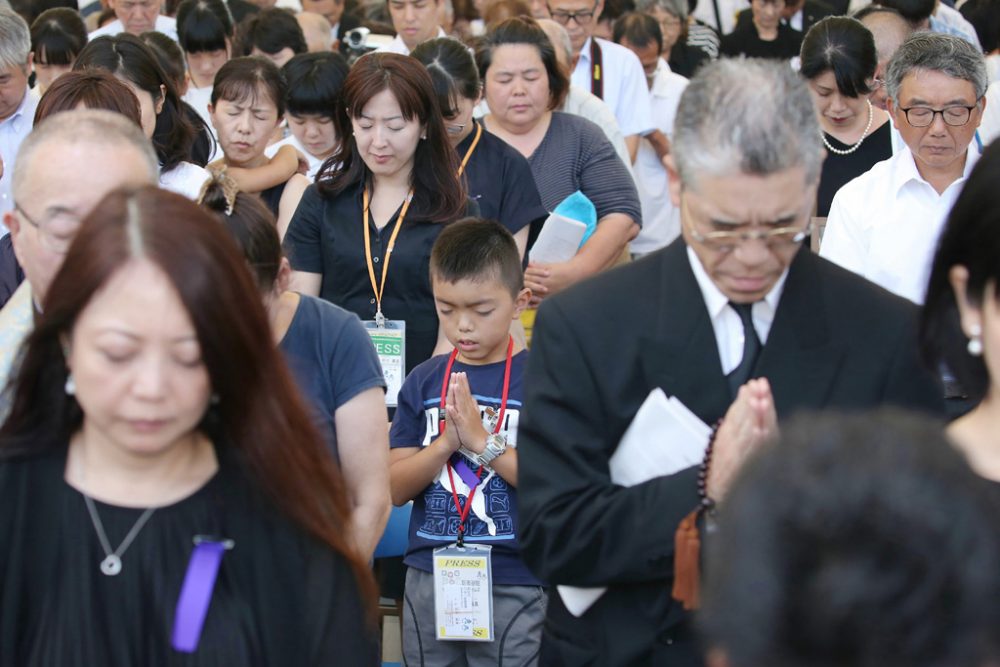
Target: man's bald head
x=890 y=29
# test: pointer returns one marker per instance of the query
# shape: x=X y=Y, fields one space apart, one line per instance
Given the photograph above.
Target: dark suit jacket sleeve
x=576 y=526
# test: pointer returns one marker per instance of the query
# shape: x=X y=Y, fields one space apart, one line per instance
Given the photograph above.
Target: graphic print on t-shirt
x=491 y=515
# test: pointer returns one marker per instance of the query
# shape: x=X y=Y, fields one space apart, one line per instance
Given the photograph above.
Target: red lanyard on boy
x=463 y=513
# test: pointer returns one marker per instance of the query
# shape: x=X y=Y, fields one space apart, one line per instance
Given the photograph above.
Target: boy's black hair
x=478 y=250
x=314 y=82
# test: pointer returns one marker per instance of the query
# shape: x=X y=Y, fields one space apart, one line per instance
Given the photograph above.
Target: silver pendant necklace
x=112 y=563
x=838 y=151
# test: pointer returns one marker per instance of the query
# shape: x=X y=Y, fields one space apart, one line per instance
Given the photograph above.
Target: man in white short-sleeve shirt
x=606 y=69
x=885 y=223
x=415 y=21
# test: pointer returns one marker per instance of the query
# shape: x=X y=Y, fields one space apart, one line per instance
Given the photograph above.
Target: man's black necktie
x=751 y=348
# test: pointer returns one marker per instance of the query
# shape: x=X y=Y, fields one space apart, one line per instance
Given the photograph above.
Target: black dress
x=839 y=169
x=280 y=598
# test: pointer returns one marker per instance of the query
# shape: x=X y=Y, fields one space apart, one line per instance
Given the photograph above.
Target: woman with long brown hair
x=166 y=500
x=391 y=184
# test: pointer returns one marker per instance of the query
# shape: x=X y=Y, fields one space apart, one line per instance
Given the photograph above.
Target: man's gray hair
x=678 y=8
x=748 y=116
x=931 y=51
x=561 y=41
x=83 y=126
x=15 y=39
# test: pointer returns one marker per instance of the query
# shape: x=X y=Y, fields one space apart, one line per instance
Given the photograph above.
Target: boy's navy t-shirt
x=434 y=521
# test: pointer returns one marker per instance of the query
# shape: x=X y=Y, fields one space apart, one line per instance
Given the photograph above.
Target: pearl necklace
x=871 y=117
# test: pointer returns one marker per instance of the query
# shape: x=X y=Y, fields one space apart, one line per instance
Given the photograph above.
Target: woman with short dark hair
x=839 y=59
x=496 y=175
x=57 y=37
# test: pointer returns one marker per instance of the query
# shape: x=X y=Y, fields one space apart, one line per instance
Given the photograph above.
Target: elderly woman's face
x=517 y=86
x=136 y=362
x=670 y=25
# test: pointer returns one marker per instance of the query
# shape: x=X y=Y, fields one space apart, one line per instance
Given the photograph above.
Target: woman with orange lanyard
x=362 y=235
x=497 y=177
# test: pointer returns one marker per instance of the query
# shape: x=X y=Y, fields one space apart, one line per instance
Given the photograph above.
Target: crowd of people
x=675 y=326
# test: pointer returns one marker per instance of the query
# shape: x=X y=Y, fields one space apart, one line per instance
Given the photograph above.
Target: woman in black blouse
x=496 y=176
x=391 y=184
x=839 y=59
x=166 y=499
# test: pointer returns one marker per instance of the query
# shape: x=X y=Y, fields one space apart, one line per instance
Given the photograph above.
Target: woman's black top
x=744 y=41
x=272 y=197
x=281 y=597
x=686 y=59
x=325 y=236
x=839 y=169
x=499 y=180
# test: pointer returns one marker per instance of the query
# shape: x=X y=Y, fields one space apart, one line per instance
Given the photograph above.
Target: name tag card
x=389 y=339
x=463 y=593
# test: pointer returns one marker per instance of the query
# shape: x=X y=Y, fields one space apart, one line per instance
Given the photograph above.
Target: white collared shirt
x=397 y=45
x=624 y=85
x=661 y=221
x=164 y=24
x=884 y=224
x=13 y=130
x=726 y=322
x=989 y=127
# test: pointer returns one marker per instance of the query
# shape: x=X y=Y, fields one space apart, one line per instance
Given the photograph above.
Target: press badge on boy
x=389 y=339
x=463 y=593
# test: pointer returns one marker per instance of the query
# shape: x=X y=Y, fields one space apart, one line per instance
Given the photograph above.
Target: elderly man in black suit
x=735 y=318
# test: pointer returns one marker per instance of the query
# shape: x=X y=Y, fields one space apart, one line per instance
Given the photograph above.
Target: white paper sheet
x=664 y=438
x=558 y=241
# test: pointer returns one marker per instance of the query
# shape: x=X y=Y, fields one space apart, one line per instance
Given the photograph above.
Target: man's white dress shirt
x=397 y=45
x=13 y=130
x=661 y=222
x=884 y=224
x=624 y=85
x=726 y=322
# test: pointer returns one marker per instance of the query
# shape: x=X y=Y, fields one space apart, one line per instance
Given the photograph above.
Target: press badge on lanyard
x=463 y=593
x=388 y=336
x=463 y=574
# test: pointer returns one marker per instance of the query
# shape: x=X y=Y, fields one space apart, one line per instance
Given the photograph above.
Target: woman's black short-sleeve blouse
x=281 y=597
x=499 y=179
x=325 y=237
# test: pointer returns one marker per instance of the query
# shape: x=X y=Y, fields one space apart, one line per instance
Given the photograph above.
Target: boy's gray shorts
x=518 y=614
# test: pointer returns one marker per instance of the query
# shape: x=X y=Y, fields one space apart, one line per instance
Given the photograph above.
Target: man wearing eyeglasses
x=734 y=319
x=65 y=167
x=608 y=70
x=885 y=224
x=136 y=17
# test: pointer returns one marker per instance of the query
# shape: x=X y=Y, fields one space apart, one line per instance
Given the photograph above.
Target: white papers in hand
x=664 y=438
x=558 y=241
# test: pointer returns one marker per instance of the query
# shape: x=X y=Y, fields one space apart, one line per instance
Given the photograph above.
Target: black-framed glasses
x=784 y=235
x=55 y=242
x=582 y=17
x=956 y=116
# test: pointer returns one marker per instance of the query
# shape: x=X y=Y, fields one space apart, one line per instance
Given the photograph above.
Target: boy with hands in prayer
x=453 y=454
